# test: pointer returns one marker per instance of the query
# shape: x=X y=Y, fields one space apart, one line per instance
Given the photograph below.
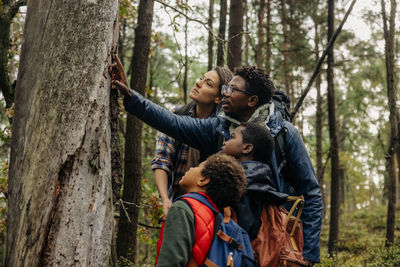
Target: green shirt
x=178 y=241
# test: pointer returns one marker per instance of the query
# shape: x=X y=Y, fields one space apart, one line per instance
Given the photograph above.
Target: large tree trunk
x=335 y=172
x=126 y=240
x=318 y=123
x=60 y=198
x=235 y=34
x=8 y=10
x=210 y=35
x=268 y=39
x=221 y=33
x=389 y=34
x=260 y=34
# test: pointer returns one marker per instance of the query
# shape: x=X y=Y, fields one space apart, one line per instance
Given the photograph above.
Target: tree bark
x=235 y=34
x=268 y=39
x=389 y=34
x=8 y=11
x=247 y=35
x=221 y=33
x=60 y=198
x=186 y=64
x=210 y=34
x=285 y=48
x=260 y=34
x=126 y=240
x=335 y=175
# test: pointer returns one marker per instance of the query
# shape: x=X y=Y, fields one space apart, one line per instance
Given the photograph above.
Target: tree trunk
x=260 y=34
x=268 y=41
x=335 y=175
x=235 y=34
x=60 y=198
x=389 y=34
x=210 y=35
x=318 y=123
x=126 y=240
x=285 y=48
x=247 y=35
x=221 y=33
x=8 y=10
x=185 y=74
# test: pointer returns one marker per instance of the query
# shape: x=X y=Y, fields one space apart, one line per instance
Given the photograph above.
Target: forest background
x=286 y=38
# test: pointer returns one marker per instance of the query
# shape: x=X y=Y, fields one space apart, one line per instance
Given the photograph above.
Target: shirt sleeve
x=165 y=150
x=178 y=241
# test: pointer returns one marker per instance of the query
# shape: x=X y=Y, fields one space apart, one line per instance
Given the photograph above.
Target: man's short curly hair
x=261 y=139
x=227 y=180
x=257 y=82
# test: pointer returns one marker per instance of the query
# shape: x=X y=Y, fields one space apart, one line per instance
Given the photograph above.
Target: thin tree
x=210 y=34
x=285 y=48
x=247 y=35
x=186 y=60
x=334 y=151
x=8 y=10
x=389 y=34
x=260 y=34
x=221 y=33
x=235 y=34
x=129 y=214
x=268 y=53
x=60 y=209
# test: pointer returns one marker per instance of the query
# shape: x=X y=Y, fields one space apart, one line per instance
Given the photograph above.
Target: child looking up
x=188 y=230
x=252 y=145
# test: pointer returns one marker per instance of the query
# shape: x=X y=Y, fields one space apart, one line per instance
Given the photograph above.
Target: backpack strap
x=280 y=154
x=297 y=201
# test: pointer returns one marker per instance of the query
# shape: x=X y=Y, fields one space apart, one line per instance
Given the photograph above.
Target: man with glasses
x=246 y=98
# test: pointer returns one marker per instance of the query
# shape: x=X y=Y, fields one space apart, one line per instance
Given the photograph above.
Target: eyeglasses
x=227 y=90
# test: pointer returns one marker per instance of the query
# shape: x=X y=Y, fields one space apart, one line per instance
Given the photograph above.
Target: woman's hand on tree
x=118 y=77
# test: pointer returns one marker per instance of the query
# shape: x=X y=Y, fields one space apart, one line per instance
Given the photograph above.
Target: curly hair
x=227 y=180
x=257 y=82
x=260 y=138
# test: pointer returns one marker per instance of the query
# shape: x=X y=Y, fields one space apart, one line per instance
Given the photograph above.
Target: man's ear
x=253 y=101
x=203 y=181
x=248 y=148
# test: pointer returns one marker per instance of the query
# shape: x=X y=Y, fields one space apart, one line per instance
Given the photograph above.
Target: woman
x=174 y=158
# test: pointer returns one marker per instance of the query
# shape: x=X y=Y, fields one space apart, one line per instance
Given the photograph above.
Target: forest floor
x=362 y=240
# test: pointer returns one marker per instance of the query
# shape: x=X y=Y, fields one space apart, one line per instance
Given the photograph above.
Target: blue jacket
x=204 y=134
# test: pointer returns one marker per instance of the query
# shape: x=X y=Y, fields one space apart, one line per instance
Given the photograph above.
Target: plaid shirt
x=166 y=151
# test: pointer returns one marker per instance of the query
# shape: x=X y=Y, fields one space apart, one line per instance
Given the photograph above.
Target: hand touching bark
x=118 y=77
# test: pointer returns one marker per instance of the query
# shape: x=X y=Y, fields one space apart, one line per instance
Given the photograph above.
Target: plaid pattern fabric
x=165 y=150
x=165 y=153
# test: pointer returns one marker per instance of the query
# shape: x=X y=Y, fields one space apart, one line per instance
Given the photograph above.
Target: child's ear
x=203 y=181
x=248 y=148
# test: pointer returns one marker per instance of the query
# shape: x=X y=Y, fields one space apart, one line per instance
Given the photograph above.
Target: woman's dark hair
x=227 y=180
x=257 y=82
x=260 y=138
x=225 y=75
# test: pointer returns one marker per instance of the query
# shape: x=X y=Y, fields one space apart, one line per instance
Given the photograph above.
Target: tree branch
x=321 y=60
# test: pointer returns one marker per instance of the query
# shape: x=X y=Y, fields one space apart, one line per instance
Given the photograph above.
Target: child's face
x=190 y=181
x=234 y=146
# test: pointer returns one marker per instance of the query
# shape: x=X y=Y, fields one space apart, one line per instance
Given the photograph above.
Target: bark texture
x=60 y=197
x=260 y=34
x=235 y=34
x=389 y=34
x=127 y=226
x=335 y=171
x=210 y=35
x=221 y=33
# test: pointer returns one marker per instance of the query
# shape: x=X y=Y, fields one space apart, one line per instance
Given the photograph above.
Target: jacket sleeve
x=305 y=183
x=197 y=133
x=178 y=241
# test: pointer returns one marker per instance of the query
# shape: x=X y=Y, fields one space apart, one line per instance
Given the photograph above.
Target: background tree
x=235 y=34
x=62 y=195
x=389 y=34
x=210 y=35
x=127 y=226
x=221 y=33
x=334 y=149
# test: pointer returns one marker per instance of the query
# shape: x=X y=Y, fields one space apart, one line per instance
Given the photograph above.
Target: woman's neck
x=204 y=111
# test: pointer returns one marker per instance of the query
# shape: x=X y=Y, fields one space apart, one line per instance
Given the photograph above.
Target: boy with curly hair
x=189 y=226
